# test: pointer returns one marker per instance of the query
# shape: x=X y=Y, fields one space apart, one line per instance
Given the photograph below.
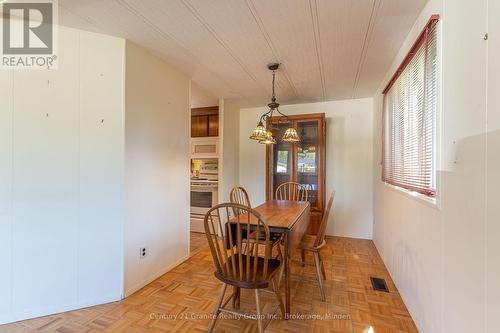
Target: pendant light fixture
x=265 y=136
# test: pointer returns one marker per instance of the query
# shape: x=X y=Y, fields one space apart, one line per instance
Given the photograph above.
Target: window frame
x=430 y=196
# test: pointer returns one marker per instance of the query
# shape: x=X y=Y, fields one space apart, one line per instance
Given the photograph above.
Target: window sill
x=421 y=198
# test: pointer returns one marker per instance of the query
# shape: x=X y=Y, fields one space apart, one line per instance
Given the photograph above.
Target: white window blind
x=410 y=104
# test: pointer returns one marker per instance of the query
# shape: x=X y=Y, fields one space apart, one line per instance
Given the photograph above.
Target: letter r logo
x=27 y=28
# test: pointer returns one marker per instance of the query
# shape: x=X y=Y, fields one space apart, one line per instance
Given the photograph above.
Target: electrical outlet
x=143 y=252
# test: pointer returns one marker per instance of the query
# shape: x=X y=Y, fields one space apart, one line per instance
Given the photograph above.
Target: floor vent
x=379 y=284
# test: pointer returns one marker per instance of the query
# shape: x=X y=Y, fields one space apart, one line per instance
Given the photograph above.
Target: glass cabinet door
x=307 y=159
x=302 y=162
x=282 y=154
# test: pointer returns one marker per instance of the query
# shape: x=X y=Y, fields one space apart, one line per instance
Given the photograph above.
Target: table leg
x=287 y=275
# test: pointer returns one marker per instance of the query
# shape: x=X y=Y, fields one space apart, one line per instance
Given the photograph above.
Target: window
x=410 y=106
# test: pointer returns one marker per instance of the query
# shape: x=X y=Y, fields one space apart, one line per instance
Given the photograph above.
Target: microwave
x=205 y=147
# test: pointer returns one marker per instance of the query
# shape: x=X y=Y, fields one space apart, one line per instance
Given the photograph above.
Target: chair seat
x=260 y=282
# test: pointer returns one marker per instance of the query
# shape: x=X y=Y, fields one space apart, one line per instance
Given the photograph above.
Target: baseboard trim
x=46 y=311
x=147 y=281
x=351 y=237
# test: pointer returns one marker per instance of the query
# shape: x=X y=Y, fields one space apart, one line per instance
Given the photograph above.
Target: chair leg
x=280 y=254
x=257 y=305
x=216 y=312
x=236 y=298
x=322 y=266
x=276 y=289
x=317 y=263
x=303 y=257
x=282 y=270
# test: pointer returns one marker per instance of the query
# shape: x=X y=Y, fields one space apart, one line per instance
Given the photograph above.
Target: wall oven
x=204 y=195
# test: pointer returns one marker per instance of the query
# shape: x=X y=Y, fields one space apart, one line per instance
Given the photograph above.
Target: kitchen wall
x=492 y=229
x=61 y=176
x=229 y=172
x=156 y=167
x=443 y=257
x=349 y=161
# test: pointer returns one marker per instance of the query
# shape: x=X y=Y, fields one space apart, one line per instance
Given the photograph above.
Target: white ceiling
x=329 y=49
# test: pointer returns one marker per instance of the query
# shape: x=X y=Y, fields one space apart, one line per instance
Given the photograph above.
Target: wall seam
x=12 y=193
x=79 y=204
x=124 y=152
x=486 y=176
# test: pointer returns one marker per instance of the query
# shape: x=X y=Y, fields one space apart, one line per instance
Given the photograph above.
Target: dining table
x=290 y=219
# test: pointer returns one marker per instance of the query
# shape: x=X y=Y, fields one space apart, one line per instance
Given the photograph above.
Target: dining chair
x=240 y=196
x=291 y=191
x=234 y=266
x=315 y=244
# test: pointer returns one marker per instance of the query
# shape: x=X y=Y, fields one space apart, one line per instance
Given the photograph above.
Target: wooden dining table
x=291 y=219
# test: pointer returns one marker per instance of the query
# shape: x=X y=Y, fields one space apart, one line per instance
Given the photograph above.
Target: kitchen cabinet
x=205 y=122
x=213 y=125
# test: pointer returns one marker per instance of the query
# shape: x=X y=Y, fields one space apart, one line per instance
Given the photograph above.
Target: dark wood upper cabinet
x=205 y=122
x=199 y=126
x=302 y=162
x=213 y=125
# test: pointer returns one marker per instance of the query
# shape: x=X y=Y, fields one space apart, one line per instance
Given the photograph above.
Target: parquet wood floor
x=198 y=241
x=181 y=300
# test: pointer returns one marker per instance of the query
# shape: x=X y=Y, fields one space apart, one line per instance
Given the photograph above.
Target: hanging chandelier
x=265 y=136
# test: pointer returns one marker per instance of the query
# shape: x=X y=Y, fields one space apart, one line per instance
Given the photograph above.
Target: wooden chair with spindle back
x=314 y=244
x=291 y=191
x=236 y=267
x=240 y=196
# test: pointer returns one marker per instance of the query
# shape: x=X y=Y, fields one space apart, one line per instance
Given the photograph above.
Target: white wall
x=61 y=173
x=348 y=161
x=437 y=254
x=156 y=167
x=229 y=112
x=492 y=175
x=201 y=98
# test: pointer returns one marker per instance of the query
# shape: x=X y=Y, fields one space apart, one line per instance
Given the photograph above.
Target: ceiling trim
x=313 y=6
x=366 y=42
x=269 y=41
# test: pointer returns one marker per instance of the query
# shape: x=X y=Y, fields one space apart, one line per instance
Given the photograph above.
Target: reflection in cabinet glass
x=302 y=162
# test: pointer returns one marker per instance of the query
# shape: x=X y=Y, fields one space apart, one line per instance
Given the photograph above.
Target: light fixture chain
x=274 y=75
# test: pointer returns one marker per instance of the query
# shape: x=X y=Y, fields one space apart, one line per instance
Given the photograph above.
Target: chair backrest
x=320 y=236
x=227 y=237
x=239 y=195
x=291 y=191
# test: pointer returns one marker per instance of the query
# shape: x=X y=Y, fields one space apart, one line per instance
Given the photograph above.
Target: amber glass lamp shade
x=259 y=133
x=269 y=140
x=291 y=135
